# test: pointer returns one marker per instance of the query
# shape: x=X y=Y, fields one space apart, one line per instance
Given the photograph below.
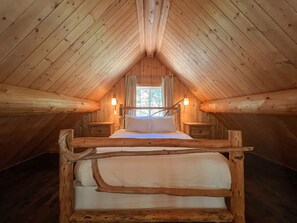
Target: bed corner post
x=66 y=176
x=236 y=164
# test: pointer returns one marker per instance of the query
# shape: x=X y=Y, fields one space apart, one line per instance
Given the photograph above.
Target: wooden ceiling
x=220 y=49
x=231 y=48
x=70 y=47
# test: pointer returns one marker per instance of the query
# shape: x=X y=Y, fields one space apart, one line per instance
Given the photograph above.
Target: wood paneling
x=233 y=47
x=152 y=18
x=218 y=49
x=22 y=137
x=273 y=137
x=149 y=72
x=67 y=46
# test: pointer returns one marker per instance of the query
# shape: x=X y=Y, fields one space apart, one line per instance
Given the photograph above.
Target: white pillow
x=137 y=124
x=162 y=124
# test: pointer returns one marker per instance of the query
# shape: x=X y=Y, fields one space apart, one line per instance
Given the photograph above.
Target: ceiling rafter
x=152 y=19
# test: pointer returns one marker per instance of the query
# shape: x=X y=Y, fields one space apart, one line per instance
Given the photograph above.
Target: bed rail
x=68 y=157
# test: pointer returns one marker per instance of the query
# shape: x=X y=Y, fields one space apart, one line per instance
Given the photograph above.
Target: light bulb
x=186 y=101
x=113 y=101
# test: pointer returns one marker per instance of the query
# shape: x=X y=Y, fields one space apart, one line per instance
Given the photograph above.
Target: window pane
x=148 y=97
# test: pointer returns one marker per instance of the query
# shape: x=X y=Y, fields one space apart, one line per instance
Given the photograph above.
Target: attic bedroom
x=215 y=79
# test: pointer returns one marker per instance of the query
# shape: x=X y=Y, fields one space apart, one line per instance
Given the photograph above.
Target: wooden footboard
x=233 y=146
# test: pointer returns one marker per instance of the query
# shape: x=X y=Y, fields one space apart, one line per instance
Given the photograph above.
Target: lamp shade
x=113 y=101
x=186 y=101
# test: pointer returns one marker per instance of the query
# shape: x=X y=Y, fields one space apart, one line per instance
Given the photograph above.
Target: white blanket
x=205 y=170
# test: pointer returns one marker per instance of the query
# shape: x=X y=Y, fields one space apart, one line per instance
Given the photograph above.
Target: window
x=148 y=97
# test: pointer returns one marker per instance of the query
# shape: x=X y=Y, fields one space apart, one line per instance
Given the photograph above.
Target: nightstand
x=198 y=130
x=101 y=129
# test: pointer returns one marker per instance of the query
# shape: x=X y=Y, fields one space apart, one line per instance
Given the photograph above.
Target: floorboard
x=30 y=191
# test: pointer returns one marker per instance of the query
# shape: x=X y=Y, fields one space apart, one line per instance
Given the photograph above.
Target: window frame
x=149 y=111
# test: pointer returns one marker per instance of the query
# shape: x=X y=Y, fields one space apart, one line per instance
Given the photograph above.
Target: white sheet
x=205 y=170
x=87 y=198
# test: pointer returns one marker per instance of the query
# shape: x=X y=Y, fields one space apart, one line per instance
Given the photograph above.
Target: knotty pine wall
x=25 y=136
x=149 y=72
x=274 y=137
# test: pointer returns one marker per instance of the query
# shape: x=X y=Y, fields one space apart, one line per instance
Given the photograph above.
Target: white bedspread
x=205 y=170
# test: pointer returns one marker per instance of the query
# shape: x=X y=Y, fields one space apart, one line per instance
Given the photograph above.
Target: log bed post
x=236 y=164
x=66 y=176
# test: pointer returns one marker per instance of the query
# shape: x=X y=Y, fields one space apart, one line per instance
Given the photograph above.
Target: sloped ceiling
x=69 y=47
x=224 y=49
x=218 y=48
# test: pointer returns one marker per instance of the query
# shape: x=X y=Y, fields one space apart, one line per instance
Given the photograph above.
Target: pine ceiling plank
x=36 y=37
x=191 y=72
x=125 y=63
x=112 y=61
x=282 y=14
x=51 y=42
x=57 y=51
x=84 y=61
x=250 y=30
x=293 y=4
x=162 y=23
x=10 y=12
x=269 y=28
x=64 y=44
x=166 y=60
x=101 y=8
x=152 y=13
x=182 y=65
x=254 y=34
x=107 y=58
x=140 y=17
x=237 y=37
x=237 y=67
x=105 y=84
x=99 y=53
x=76 y=50
x=232 y=78
x=192 y=88
x=211 y=72
x=98 y=92
x=24 y=24
x=226 y=43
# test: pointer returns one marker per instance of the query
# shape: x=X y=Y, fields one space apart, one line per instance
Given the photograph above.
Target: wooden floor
x=29 y=192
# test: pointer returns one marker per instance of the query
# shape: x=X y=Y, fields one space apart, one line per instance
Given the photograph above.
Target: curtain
x=130 y=94
x=167 y=92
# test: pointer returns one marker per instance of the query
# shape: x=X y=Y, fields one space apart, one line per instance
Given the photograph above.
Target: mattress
x=200 y=171
x=87 y=198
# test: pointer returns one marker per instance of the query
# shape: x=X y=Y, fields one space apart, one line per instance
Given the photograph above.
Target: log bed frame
x=236 y=204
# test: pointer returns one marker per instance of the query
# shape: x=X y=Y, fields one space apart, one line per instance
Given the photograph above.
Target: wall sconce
x=114 y=102
x=186 y=101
